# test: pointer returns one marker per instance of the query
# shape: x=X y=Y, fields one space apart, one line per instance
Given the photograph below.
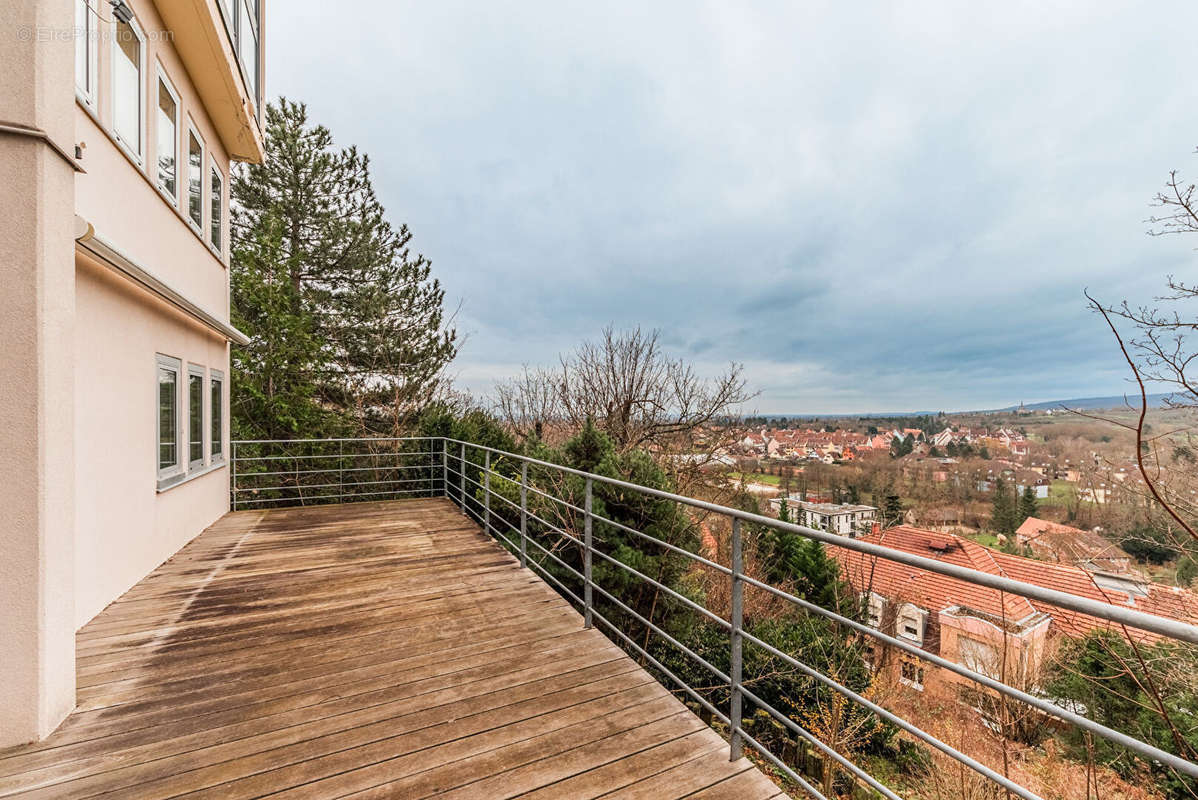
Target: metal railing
x=298 y=472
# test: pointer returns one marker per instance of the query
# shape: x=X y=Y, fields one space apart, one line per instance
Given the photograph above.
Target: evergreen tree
x=1002 y=515
x=308 y=217
x=784 y=511
x=892 y=509
x=1027 y=505
x=274 y=394
x=1187 y=570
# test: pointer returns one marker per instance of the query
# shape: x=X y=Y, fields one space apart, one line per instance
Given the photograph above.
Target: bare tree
x=636 y=393
x=530 y=403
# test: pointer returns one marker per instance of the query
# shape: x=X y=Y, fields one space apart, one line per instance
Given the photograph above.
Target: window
x=128 y=90
x=217 y=191
x=911 y=620
x=168 y=140
x=85 y=52
x=195 y=416
x=247 y=45
x=912 y=675
x=195 y=179
x=168 y=416
x=216 y=389
x=877 y=607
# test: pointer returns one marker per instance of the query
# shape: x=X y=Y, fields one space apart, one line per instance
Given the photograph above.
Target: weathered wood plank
x=382 y=649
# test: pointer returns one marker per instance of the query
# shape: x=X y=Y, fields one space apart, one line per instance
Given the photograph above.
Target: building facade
x=118 y=127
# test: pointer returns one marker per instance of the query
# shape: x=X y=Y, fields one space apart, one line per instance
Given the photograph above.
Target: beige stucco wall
x=125 y=527
x=83 y=516
x=37 y=670
x=143 y=225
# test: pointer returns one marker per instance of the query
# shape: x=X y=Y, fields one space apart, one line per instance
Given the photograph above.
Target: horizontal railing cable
x=437 y=481
x=1172 y=629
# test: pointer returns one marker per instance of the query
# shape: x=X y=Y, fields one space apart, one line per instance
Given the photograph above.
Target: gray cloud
x=873 y=210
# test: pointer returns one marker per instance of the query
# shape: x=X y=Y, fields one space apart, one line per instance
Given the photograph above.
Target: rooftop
x=387 y=649
x=936 y=592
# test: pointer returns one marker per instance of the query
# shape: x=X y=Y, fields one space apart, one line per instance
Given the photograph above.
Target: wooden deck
x=367 y=650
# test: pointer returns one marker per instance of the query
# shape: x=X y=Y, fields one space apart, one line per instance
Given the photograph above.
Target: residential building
x=1062 y=544
x=121 y=121
x=972 y=625
x=845 y=519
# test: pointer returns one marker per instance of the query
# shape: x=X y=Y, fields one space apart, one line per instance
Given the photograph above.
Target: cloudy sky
x=873 y=207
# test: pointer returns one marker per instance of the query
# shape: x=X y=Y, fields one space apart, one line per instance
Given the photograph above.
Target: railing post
x=341 y=470
x=462 y=479
x=524 y=514
x=487 y=491
x=737 y=644
x=588 y=613
x=445 y=467
x=233 y=475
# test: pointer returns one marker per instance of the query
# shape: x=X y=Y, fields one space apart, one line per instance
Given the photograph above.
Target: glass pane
x=195 y=415
x=83 y=77
x=126 y=86
x=195 y=179
x=168 y=113
x=216 y=209
x=247 y=35
x=167 y=431
x=218 y=410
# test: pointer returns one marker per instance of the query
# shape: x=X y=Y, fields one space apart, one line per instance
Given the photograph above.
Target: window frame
x=216 y=412
x=192 y=130
x=872 y=599
x=135 y=151
x=88 y=32
x=164 y=80
x=217 y=246
x=165 y=362
x=909 y=612
x=253 y=89
x=196 y=371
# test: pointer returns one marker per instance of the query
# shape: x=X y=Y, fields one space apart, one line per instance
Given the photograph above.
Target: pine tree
x=783 y=511
x=1027 y=505
x=1002 y=515
x=371 y=307
x=274 y=393
x=892 y=510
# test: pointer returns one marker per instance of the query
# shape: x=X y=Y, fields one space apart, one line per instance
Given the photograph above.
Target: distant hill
x=1091 y=403
x=1079 y=403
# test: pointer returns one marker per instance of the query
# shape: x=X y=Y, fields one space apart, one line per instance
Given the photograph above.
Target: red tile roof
x=936 y=592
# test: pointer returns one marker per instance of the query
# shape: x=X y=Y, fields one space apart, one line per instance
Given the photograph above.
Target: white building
x=844 y=519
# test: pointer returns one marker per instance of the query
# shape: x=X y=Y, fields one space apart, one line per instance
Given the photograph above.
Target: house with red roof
x=1063 y=544
x=1002 y=635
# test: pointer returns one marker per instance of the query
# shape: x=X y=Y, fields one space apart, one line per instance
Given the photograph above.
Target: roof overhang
x=203 y=44
x=103 y=251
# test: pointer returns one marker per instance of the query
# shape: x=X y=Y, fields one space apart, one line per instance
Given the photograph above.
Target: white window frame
x=872 y=599
x=192 y=130
x=197 y=371
x=910 y=612
x=176 y=365
x=252 y=88
x=213 y=456
x=217 y=247
x=88 y=32
x=135 y=150
x=165 y=80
